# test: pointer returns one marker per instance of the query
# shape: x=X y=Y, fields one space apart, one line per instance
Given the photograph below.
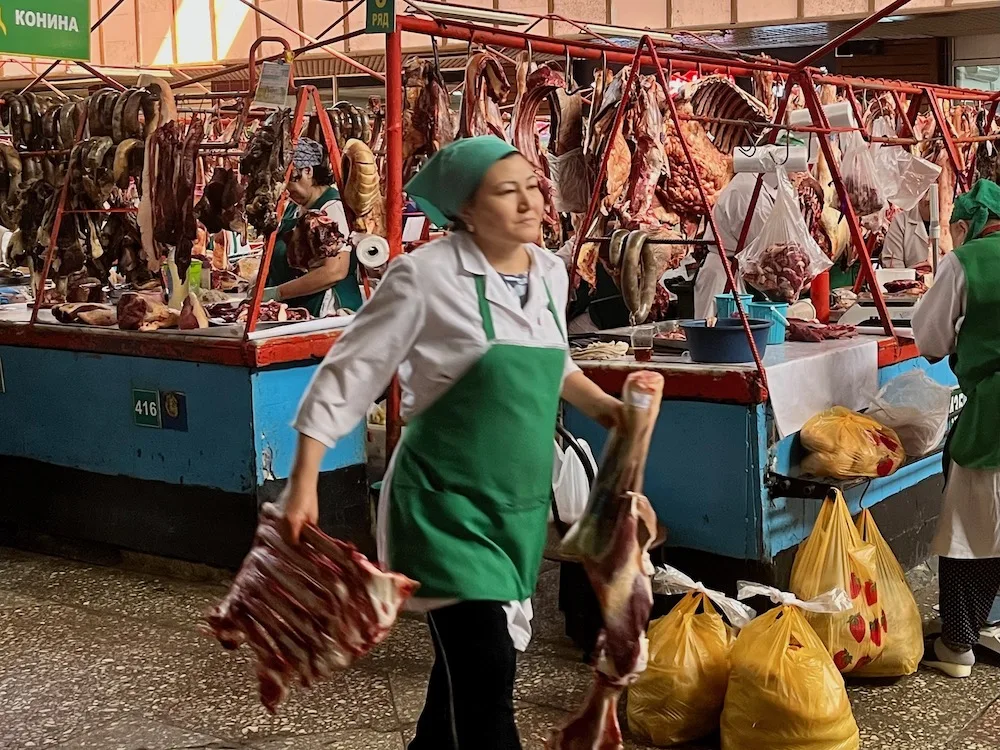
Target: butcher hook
x=571 y=87
x=437 y=62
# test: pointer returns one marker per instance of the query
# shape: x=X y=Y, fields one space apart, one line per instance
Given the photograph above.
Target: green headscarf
x=451 y=176
x=979 y=206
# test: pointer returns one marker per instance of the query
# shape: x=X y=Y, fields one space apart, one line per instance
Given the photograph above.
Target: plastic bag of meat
x=785 y=692
x=860 y=180
x=679 y=697
x=306 y=610
x=784 y=258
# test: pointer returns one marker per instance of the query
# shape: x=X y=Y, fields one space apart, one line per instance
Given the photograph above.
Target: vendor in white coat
x=730 y=211
x=474 y=325
x=957 y=318
x=907 y=242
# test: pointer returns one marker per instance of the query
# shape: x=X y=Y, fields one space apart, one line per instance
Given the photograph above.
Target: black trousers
x=968 y=588
x=470 y=697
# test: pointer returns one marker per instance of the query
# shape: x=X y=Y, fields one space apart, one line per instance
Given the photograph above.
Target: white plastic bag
x=784 y=258
x=860 y=181
x=885 y=158
x=569 y=482
x=916 y=176
x=916 y=408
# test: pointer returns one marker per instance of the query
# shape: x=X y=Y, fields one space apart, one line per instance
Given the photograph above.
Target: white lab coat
x=730 y=212
x=906 y=242
x=424 y=322
x=969 y=525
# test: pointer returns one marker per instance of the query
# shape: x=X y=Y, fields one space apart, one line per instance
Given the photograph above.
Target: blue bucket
x=726 y=341
x=777 y=313
x=725 y=306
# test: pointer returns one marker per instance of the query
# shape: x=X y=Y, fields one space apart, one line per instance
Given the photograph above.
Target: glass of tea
x=642 y=343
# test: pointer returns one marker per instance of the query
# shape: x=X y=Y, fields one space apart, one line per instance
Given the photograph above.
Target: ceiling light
x=628 y=32
x=459 y=13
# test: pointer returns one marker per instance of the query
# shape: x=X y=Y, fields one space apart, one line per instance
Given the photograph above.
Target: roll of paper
x=373 y=251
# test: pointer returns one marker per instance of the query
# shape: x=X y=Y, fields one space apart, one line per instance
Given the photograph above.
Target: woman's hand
x=607 y=412
x=587 y=396
x=300 y=502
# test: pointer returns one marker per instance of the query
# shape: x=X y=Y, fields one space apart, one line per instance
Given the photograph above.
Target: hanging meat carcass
x=719 y=98
x=172 y=192
x=427 y=123
x=486 y=87
x=612 y=539
x=644 y=127
x=221 y=204
x=714 y=169
x=987 y=153
x=264 y=165
x=306 y=610
x=540 y=86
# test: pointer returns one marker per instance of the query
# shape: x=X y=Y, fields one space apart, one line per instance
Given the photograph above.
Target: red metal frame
x=677 y=57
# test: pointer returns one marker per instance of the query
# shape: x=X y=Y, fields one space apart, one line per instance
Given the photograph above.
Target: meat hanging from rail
x=540 y=86
x=612 y=539
x=427 y=123
x=486 y=87
x=221 y=204
x=306 y=610
x=264 y=165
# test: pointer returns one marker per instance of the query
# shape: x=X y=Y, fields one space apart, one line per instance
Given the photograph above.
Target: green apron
x=347 y=290
x=975 y=440
x=472 y=476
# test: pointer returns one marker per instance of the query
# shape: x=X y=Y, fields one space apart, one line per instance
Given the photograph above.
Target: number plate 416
x=146 y=408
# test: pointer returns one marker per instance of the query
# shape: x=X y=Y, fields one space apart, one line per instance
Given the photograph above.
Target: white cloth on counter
x=969 y=524
x=424 y=321
x=804 y=379
x=730 y=212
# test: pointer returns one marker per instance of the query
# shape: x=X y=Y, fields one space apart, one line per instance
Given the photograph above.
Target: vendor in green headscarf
x=959 y=317
x=474 y=325
x=329 y=283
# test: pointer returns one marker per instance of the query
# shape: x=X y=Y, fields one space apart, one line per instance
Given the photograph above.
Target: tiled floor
x=95 y=658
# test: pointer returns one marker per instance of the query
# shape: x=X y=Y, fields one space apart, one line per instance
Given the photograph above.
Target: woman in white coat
x=957 y=318
x=474 y=325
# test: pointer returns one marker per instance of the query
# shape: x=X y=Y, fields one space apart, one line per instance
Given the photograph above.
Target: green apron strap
x=552 y=309
x=484 y=308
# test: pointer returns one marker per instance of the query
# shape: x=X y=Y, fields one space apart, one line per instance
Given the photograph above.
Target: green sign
x=381 y=15
x=146 y=408
x=46 y=28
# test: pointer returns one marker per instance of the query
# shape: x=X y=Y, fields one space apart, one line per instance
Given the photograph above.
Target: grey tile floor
x=98 y=658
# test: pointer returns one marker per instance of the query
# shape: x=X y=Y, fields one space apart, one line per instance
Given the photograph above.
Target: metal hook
x=571 y=87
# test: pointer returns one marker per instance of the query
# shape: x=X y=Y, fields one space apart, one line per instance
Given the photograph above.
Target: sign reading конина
x=46 y=28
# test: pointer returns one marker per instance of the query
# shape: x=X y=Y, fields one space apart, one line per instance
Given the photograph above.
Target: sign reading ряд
x=46 y=28
x=381 y=16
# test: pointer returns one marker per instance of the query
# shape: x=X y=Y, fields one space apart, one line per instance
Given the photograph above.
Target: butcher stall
x=146 y=387
x=662 y=128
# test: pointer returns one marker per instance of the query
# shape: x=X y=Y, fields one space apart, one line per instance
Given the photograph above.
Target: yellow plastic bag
x=835 y=557
x=902 y=625
x=679 y=697
x=784 y=691
x=842 y=444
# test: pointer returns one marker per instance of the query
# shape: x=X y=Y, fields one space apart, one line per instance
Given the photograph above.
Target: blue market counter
x=161 y=445
x=716 y=462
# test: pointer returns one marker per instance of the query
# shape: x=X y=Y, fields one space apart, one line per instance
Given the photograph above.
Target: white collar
x=474 y=263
